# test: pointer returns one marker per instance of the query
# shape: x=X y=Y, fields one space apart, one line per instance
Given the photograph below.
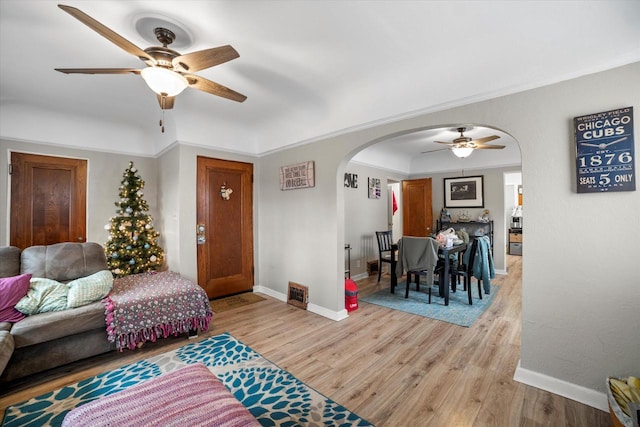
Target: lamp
x=462 y=152
x=163 y=81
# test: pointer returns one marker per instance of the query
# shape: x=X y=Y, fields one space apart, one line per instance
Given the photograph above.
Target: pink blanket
x=190 y=396
x=146 y=306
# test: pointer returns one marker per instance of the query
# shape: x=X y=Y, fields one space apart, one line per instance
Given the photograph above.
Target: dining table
x=444 y=279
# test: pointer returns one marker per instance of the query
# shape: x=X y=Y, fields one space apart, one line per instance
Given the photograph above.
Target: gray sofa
x=47 y=340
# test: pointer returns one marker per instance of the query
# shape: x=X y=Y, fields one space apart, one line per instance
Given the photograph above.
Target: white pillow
x=44 y=295
x=88 y=289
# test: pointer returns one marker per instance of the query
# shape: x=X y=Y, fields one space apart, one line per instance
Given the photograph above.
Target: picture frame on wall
x=299 y=175
x=464 y=192
x=375 y=190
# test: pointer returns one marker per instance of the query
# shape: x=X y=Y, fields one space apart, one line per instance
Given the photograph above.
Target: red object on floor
x=350 y=295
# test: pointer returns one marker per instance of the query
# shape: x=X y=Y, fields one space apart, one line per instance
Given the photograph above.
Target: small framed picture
x=464 y=192
x=375 y=190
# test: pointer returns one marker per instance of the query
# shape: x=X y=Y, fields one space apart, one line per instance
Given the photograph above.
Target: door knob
x=200 y=237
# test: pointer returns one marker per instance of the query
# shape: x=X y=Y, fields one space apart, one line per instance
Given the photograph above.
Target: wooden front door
x=224 y=226
x=417 y=215
x=48 y=200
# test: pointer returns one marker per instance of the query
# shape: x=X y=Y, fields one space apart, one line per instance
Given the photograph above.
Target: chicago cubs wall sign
x=605 y=151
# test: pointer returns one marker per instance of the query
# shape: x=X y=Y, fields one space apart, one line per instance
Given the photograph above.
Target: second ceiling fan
x=168 y=72
x=463 y=146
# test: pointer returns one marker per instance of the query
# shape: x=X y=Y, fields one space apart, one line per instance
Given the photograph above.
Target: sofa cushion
x=6 y=349
x=44 y=295
x=89 y=289
x=45 y=327
x=63 y=261
x=12 y=290
x=9 y=261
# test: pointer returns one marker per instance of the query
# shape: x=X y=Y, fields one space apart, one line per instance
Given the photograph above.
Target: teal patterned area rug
x=272 y=395
x=458 y=312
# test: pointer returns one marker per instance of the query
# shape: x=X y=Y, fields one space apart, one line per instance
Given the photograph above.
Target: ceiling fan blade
x=485 y=139
x=166 y=102
x=98 y=70
x=484 y=147
x=213 y=88
x=446 y=143
x=433 y=151
x=107 y=33
x=196 y=61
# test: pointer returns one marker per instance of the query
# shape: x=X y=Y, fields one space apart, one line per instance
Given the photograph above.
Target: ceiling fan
x=168 y=72
x=463 y=146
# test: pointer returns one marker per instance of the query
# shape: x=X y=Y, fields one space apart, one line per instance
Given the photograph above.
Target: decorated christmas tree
x=132 y=246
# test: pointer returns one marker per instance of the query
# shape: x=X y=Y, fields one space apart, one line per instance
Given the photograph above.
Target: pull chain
x=162 y=99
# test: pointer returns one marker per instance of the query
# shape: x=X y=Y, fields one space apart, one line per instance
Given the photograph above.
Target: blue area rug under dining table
x=458 y=312
x=273 y=396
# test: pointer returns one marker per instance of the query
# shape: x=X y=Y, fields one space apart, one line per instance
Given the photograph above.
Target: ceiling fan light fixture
x=163 y=81
x=462 y=152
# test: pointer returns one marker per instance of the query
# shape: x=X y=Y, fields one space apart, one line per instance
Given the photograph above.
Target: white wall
x=364 y=216
x=580 y=306
x=26 y=123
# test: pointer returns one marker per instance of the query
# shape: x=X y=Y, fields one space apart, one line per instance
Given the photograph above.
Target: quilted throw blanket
x=146 y=306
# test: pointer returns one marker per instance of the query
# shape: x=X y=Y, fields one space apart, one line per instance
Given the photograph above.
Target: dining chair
x=465 y=270
x=417 y=256
x=457 y=269
x=385 y=248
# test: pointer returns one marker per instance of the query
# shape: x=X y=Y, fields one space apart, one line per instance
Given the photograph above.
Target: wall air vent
x=298 y=295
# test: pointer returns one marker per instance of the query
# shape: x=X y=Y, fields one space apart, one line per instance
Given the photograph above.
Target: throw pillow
x=12 y=289
x=44 y=295
x=89 y=289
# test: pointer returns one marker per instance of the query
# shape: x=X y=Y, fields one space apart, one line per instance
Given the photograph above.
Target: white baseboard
x=589 y=397
x=330 y=314
x=360 y=276
x=277 y=295
x=333 y=315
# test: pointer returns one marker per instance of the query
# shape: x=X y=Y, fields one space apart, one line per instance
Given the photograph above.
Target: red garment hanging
x=394 y=203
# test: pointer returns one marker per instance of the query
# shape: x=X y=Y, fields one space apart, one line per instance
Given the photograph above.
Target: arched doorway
x=406 y=155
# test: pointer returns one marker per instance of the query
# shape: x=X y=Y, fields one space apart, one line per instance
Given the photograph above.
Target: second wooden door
x=417 y=214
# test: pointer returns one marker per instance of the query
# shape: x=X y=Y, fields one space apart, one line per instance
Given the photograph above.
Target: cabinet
x=515 y=241
x=472 y=227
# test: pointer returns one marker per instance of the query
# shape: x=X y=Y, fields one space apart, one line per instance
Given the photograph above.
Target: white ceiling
x=418 y=153
x=310 y=68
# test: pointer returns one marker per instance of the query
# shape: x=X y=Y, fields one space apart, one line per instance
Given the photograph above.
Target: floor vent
x=298 y=295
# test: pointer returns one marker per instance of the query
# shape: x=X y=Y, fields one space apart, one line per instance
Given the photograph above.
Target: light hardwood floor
x=389 y=367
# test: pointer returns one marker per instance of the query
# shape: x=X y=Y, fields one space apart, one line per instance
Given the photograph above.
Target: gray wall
x=494 y=189
x=105 y=172
x=580 y=320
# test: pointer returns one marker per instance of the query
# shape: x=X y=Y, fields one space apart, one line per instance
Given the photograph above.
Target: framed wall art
x=464 y=192
x=300 y=175
x=604 y=144
x=374 y=188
